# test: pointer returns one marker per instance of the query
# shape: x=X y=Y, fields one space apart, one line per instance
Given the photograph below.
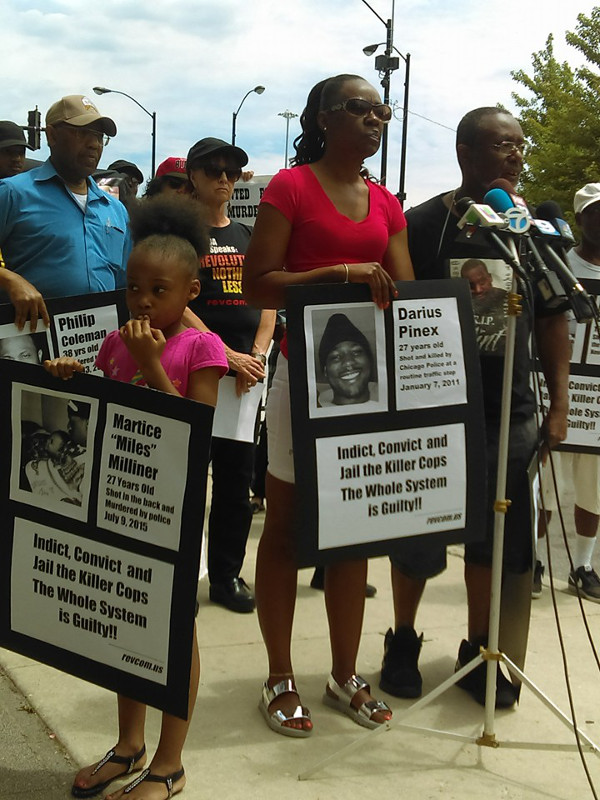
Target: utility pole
x=288 y=115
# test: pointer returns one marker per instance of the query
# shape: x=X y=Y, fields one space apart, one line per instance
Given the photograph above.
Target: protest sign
x=390 y=446
x=583 y=422
x=78 y=326
x=243 y=206
x=102 y=492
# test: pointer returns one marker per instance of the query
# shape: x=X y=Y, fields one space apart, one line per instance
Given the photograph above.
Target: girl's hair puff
x=171 y=226
x=310 y=145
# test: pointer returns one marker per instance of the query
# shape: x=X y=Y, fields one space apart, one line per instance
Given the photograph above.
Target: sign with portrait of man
x=387 y=418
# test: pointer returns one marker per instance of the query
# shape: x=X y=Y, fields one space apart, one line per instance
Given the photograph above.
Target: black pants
x=230 y=512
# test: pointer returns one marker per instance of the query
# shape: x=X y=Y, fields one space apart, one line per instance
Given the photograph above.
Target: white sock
x=584 y=548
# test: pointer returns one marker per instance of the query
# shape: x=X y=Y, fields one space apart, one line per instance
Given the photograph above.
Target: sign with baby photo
x=102 y=491
x=387 y=419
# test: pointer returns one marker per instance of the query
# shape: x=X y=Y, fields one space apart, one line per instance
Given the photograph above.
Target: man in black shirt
x=489 y=145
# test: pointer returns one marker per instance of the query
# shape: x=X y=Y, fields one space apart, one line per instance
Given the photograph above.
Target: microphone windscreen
x=549 y=210
x=499 y=199
x=502 y=183
x=463 y=205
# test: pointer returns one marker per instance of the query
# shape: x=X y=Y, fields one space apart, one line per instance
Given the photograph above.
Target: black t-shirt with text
x=437 y=253
x=221 y=305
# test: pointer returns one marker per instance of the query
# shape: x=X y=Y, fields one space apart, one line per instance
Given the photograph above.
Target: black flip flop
x=91 y=791
x=146 y=775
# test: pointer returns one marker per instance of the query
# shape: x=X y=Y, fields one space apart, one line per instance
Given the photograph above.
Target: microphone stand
x=491 y=654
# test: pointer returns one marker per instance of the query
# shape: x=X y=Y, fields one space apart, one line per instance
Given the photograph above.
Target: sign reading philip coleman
x=387 y=419
x=102 y=490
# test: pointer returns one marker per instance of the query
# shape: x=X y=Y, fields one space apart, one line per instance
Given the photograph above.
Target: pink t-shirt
x=321 y=236
x=183 y=354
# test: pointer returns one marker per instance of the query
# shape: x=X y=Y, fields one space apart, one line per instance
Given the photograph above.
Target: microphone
x=482 y=217
x=551 y=211
x=515 y=211
x=584 y=308
x=581 y=303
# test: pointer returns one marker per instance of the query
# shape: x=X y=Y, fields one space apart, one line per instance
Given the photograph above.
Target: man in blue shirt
x=61 y=235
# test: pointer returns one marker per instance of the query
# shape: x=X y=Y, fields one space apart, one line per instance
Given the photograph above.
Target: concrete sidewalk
x=231 y=753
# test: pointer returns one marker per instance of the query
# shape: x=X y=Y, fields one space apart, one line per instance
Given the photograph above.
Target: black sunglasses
x=214 y=172
x=360 y=108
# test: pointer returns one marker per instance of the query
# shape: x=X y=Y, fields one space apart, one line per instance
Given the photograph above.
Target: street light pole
x=258 y=90
x=386 y=64
x=151 y=114
x=288 y=115
x=401 y=193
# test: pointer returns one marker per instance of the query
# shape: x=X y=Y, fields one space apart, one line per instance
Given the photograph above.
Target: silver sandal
x=276 y=720
x=343 y=701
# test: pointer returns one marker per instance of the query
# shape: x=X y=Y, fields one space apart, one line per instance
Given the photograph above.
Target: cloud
x=192 y=61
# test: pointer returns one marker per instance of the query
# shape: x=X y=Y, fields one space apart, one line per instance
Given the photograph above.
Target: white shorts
x=279 y=425
x=582 y=471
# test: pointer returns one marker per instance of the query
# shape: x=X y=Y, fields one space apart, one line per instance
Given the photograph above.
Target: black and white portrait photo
x=343 y=371
x=30 y=348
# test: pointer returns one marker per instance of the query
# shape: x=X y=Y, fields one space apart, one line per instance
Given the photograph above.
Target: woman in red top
x=320 y=222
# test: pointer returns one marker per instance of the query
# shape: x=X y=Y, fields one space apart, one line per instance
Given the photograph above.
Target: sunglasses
x=214 y=172
x=360 y=108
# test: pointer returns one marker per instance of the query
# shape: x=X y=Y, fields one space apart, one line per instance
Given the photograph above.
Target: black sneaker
x=234 y=595
x=587 y=581
x=400 y=675
x=474 y=681
x=538 y=574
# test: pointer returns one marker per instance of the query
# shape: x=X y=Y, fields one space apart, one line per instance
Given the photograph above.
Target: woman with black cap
x=322 y=221
x=213 y=167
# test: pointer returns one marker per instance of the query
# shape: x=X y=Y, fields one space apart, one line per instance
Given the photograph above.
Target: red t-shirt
x=320 y=235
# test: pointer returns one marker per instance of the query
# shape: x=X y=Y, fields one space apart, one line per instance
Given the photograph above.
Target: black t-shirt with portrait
x=436 y=253
x=220 y=304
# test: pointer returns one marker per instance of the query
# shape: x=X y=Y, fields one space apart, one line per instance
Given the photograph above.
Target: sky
x=192 y=62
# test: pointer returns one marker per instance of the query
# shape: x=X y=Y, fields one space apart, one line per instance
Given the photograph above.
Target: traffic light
x=34 y=121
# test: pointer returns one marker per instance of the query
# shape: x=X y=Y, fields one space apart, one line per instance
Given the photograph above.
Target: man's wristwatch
x=259 y=357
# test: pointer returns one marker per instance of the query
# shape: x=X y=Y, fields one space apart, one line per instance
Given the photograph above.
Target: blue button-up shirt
x=46 y=237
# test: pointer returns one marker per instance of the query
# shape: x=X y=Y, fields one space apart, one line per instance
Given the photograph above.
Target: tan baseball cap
x=79 y=110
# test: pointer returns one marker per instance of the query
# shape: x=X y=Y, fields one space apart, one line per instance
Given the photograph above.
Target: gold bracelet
x=347 y=273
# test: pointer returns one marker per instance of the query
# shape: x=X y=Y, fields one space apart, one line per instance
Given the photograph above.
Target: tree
x=561 y=119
